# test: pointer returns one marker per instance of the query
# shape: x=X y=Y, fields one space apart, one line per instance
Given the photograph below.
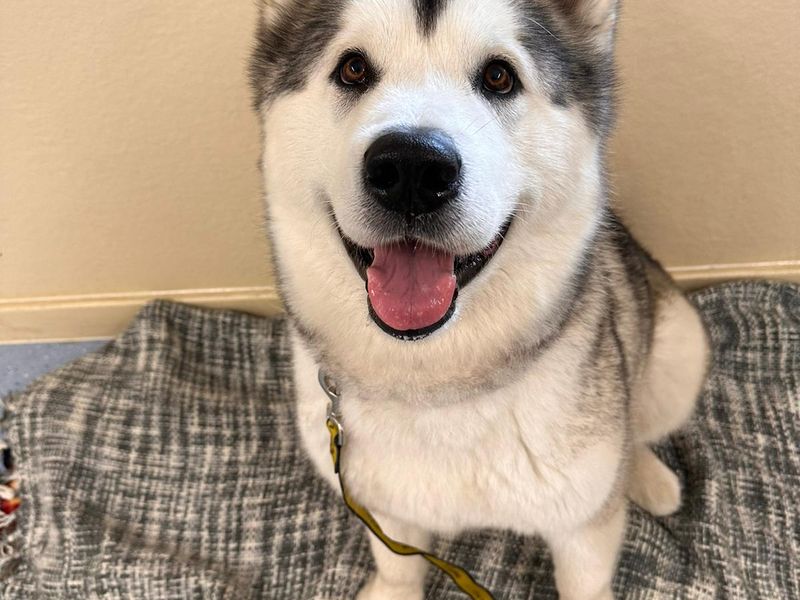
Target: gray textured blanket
x=167 y=466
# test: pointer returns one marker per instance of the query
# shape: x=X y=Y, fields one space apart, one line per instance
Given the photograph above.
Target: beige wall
x=128 y=153
x=707 y=156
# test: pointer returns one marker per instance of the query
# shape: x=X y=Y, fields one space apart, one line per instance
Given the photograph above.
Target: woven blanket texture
x=168 y=467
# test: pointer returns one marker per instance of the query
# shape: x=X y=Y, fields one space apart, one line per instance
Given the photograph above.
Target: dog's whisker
x=540 y=26
x=482 y=127
x=471 y=123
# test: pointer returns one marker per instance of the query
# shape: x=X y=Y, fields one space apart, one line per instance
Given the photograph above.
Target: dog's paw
x=604 y=594
x=653 y=486
x=378 y=589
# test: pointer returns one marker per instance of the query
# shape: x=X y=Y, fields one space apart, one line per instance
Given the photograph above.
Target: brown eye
x=354 y=70
x=498 y=78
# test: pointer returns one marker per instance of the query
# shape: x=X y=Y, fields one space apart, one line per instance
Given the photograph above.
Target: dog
x=439 y=214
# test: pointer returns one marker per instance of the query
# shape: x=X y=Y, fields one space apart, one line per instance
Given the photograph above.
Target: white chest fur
x=519 y=458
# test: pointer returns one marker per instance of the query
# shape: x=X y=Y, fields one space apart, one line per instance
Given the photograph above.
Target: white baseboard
x=102 y=316
x=700 y=276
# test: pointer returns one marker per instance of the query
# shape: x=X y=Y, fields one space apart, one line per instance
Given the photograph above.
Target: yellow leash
x=460 y=577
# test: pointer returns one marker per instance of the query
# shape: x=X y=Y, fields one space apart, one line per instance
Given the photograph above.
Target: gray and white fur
x=566 y=352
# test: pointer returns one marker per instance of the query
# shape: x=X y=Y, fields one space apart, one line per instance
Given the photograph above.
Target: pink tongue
x=410 y=286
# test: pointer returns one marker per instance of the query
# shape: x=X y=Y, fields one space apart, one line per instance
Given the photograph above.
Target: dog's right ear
x=272 y=9
x=266 y=48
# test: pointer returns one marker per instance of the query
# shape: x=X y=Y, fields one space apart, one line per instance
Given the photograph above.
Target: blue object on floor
x=22 y=364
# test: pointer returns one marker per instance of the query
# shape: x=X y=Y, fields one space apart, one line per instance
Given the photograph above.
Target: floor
x=21 y=365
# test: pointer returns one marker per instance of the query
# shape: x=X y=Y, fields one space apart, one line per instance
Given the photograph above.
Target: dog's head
x=446 y=155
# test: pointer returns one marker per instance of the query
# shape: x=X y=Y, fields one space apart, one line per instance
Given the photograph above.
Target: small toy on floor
x=9 y=500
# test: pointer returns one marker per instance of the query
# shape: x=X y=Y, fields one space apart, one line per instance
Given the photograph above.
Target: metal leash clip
x=334 y=417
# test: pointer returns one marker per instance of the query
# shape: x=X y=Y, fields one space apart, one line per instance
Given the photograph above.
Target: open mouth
x=412 y=287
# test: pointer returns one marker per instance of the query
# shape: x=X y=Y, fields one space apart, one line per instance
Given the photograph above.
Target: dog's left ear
x=594 y=19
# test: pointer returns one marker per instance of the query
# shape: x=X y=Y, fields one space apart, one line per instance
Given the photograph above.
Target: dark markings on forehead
x=576 y=72
x=285 y=50
x=428 y=12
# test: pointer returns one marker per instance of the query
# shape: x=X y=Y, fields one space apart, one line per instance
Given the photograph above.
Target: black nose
x=413 y=172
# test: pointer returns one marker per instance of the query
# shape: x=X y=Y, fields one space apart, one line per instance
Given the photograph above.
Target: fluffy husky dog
x=438 y=209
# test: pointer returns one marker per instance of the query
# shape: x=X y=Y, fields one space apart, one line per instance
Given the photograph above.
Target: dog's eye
x=354 y=70
x=498 y=78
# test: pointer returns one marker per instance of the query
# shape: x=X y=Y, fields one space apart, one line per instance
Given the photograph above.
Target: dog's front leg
x=397 y=577
x=586 y=558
